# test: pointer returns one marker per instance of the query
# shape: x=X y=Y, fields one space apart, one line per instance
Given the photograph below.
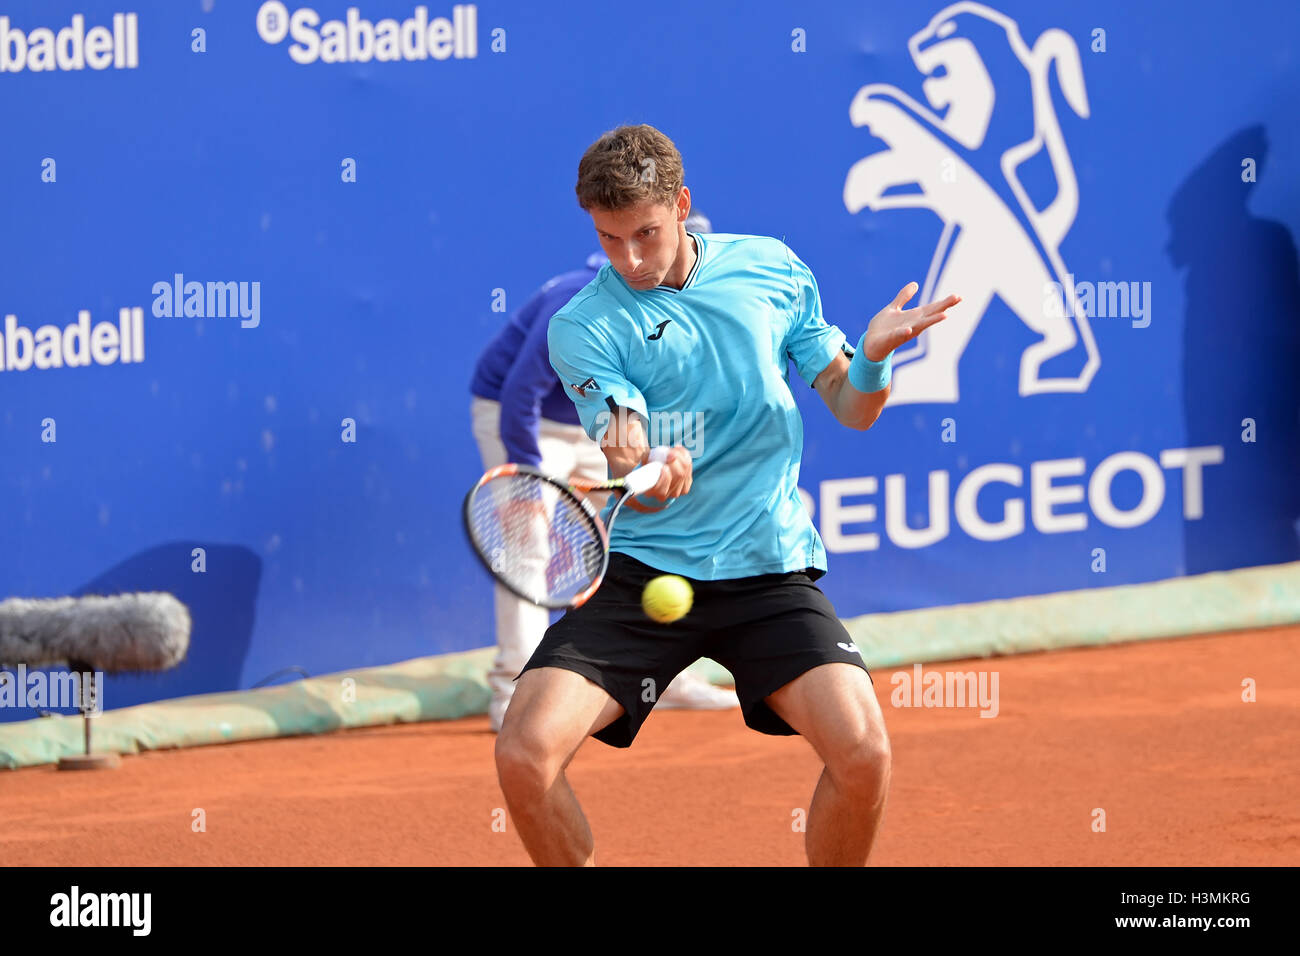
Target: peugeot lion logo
x=995 y=241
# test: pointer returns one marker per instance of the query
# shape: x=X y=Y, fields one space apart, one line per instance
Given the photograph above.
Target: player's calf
x=834 y=707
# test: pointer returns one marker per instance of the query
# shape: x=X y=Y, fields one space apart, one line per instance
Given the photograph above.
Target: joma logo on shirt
x=582 y=389
x=659 y=331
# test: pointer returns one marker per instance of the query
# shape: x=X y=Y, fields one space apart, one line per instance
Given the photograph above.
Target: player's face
x=642 y=241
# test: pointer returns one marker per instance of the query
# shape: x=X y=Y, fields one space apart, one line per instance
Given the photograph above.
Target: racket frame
x=565 y=488
x=639 y=479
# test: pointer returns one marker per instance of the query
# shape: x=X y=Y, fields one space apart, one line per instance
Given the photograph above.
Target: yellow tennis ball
x=667 y=598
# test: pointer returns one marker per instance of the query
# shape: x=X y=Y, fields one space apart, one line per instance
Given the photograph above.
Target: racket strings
x=536 y=537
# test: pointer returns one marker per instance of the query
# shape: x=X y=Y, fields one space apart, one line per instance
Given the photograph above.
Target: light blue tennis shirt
x=707 y=365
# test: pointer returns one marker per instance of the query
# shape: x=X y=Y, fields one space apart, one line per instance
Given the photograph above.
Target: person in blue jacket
x=520 y=413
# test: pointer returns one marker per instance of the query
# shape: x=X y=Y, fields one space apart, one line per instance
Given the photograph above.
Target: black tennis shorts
x=767 y=630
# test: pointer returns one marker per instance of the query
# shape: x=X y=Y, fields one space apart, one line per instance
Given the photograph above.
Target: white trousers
x=566 y=450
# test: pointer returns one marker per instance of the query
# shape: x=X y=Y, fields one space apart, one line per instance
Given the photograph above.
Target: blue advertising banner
x=251 y=252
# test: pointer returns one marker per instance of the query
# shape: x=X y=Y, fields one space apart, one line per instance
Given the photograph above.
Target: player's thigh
x=834 y=706
x=552 y=712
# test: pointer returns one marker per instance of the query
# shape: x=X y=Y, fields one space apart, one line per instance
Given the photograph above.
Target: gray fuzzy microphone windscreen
x=125 y=632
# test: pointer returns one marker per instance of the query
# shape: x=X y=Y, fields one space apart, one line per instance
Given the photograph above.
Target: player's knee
x=863 y=768
x=526 y=767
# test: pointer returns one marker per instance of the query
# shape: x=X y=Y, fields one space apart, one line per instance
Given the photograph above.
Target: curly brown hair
x=629 y=165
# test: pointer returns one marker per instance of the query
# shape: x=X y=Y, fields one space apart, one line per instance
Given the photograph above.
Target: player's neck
x=686 y=256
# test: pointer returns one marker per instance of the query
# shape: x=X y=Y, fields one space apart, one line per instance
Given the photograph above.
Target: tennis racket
x=541 y=539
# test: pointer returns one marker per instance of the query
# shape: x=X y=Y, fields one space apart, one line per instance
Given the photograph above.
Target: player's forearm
x=624 y=442
x=859 y=410
x=851 y=407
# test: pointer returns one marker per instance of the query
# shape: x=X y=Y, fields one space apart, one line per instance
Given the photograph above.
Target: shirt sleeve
x=811 y=344
x=531 y=378
x=592 y=371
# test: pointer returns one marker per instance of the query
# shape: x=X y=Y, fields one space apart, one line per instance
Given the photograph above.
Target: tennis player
x=519 y=413
x=679 y=325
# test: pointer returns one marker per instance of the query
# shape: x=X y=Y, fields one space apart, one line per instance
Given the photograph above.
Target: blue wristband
x=868 y=376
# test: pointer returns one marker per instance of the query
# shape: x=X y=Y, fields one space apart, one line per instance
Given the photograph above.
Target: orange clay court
x=1154 y=733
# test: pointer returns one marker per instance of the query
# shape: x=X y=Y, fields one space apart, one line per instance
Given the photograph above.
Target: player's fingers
x=662 y=489
x=913 y=316
x=904 y=294
x=674 y=477
x=671 y=483
x=680 y=463
x=941 y=306
x=929 y=321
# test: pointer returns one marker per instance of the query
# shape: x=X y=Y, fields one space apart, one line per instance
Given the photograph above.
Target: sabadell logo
x=358 y=40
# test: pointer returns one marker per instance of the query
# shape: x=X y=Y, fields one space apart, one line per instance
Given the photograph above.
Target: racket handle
x=642 y=479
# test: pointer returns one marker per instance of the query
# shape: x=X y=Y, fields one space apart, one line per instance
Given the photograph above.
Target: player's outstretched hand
x=893 y=326
x=676 y=479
